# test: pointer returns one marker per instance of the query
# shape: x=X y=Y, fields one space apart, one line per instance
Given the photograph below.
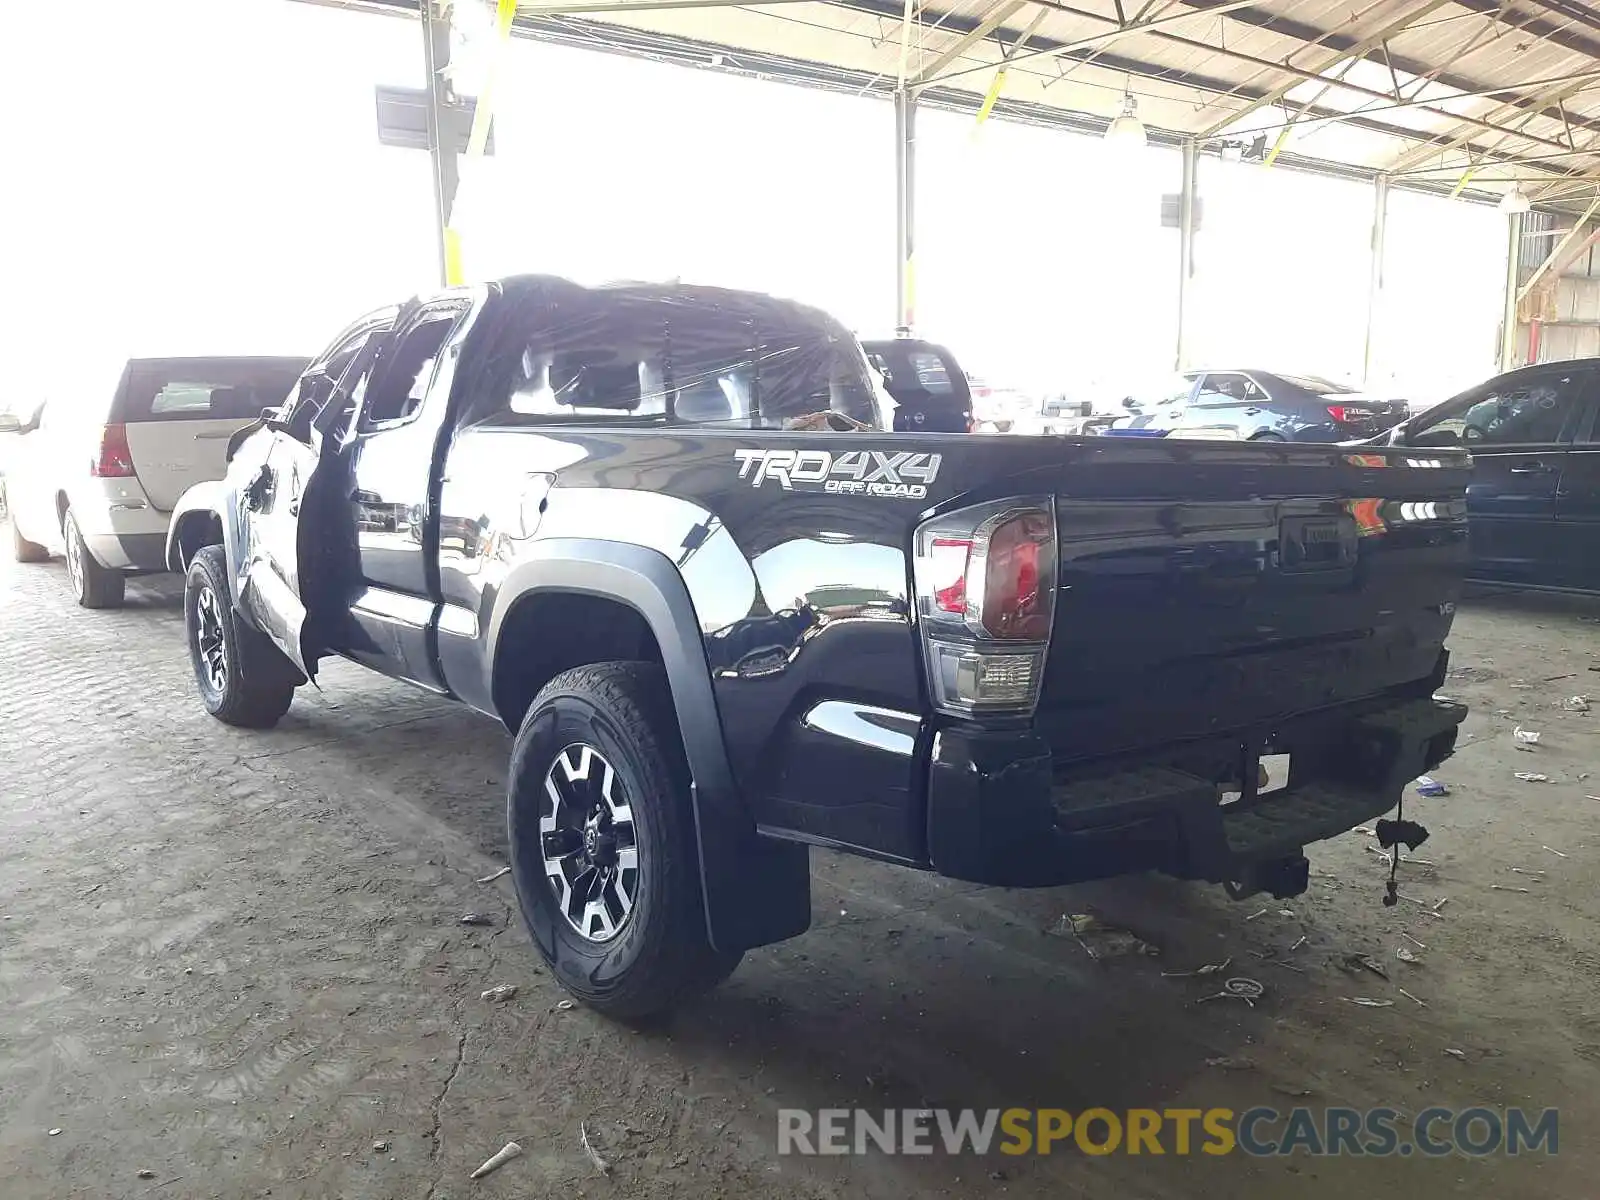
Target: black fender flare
x=757 y=890
x=213 y=498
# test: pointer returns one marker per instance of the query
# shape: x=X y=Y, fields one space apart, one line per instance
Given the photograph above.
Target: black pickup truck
x=660 y=533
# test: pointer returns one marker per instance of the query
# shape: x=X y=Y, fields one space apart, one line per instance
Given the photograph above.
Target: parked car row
x=94 y=478
x=1255 y=405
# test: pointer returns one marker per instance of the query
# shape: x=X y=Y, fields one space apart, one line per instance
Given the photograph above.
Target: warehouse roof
x=1449 y=95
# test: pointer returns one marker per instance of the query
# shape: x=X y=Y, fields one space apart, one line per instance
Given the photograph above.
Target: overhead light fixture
x=1127 y=129
x=1515 y=201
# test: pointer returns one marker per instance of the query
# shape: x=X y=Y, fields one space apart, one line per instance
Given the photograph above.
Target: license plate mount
x=1316 y=543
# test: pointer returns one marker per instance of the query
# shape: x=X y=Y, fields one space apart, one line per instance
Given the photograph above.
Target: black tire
x=252 y=684
x=658 y=953
x=23 y=550
x=1268 y=437
x=93 y=585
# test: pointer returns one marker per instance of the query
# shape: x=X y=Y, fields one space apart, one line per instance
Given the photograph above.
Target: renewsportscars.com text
x=1259 y=1132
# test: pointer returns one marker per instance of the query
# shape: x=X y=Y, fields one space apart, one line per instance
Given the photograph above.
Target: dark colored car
x=1534 y=500
x=1261 y=406
x=723 y=632
x=928 y=386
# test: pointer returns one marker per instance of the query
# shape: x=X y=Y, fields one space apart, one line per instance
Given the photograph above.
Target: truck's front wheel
x=602 y=842
x=243 y=678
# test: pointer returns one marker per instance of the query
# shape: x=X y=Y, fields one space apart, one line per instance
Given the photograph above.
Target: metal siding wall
x=1575 y=330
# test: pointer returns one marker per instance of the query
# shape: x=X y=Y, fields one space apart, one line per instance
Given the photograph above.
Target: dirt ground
x=234 y=960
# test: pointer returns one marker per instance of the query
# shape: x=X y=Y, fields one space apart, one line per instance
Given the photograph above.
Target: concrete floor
x=233 y=961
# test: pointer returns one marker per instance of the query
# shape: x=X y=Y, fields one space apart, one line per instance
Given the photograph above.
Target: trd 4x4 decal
x=852 y=473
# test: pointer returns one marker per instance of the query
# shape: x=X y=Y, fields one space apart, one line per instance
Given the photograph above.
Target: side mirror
x=10 y=423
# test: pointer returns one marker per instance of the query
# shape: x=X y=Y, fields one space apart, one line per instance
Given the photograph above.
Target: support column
x=1191 y=160
x=905 y=194
x=1508 y=318
x=1380 y=222
x=441 y=145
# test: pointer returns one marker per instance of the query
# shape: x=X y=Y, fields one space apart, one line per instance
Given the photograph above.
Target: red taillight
x=985 y=580
x=1014 y=605
x=950 y=563
x=115 y=460
x=1345 y=415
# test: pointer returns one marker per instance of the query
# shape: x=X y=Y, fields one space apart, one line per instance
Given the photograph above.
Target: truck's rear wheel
x=243 y=678
x=603 y=851
x=94 y=586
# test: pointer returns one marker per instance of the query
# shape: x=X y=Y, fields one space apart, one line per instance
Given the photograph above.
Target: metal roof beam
x=1301 y=31
x=1532 y=107
x=1357 y=49
x=1507 y=162
x=992 y=20
x=1178 y=77
x=1311 y=73
x=579 y=8
x=1116 y=32
x=1569 y=177
x=1423 y=135
x=1573 y=10
x=1555 y=33
x=1433 y=106
x=697 y=52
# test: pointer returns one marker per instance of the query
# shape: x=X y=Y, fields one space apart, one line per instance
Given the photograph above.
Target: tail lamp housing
x=113 y=459
x=1345 y=414
x=986 y=590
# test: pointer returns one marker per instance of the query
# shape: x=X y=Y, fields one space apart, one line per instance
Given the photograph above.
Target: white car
x=94 y=480
x=998 y=409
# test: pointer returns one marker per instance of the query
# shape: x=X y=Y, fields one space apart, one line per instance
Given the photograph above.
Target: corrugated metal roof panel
x=1451 y=85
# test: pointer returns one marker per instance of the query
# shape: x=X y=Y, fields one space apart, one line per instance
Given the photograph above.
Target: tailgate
x=179 y=413
x=1207 y=588
x=169 y=457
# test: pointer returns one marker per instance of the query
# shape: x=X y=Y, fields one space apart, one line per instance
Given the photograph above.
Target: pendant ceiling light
x=1127 y=129
x=1515 y=201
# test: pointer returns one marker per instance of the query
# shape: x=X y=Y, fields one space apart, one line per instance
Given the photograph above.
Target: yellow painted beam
x=991 y=96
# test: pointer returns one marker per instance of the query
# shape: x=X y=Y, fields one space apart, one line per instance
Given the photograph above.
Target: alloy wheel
x=209 y=639
x=588 y=843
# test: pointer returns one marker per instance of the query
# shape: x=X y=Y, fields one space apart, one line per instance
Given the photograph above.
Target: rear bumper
x=120 y=526
x=999 y=813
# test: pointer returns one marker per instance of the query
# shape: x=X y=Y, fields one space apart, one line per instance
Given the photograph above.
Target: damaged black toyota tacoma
x=665 y=535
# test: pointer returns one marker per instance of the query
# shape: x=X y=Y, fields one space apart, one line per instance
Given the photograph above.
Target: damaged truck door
x=280 y=554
